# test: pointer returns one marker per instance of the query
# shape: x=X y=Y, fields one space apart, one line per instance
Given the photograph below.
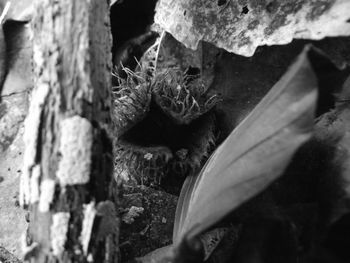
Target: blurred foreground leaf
x=253 y=155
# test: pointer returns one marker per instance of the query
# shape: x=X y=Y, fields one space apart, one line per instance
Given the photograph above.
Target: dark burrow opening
x=330 y=80
x=222 y=2
x=134 y=15
x=158 y=129
x=188 y=145
x=245 y=10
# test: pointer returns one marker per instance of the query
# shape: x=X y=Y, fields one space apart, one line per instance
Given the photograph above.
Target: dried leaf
x=254 y=154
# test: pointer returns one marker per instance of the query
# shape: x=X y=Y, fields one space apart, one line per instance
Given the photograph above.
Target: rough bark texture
x=67 y=177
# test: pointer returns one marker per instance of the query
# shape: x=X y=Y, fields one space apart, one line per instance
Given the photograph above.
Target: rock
x=12 y=223
x=13 y=109
x=12 y=114
x=7 y=257
x=133 y=212
x=240 y=26
x=21 y=10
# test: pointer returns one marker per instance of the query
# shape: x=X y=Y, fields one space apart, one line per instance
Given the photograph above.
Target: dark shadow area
x=330 y=80
x=187 y=144
x=129 y=19
x=157 y=129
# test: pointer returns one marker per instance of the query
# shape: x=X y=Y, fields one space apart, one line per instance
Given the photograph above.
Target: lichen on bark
x=75 y=149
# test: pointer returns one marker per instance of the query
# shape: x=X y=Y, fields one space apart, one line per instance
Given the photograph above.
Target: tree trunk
x=67 y=176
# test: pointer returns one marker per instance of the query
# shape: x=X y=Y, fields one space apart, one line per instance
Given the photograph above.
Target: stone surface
x=12 y=113
x=21 y=10
x=7 y=257
x=12 y=223
x=13 y=109
x=240 y=26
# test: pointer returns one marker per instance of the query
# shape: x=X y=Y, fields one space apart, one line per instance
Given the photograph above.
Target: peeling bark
x=67 y=175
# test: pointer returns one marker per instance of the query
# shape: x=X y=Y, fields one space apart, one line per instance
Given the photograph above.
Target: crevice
x=329 y=78
x=135 y=15
x=165 y=152
x=222 y=2
x=245 y=10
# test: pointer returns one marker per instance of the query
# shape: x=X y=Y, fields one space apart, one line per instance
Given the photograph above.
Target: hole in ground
x=222 y=2
x=157 y=129
x=157 y=135
x=245 y=10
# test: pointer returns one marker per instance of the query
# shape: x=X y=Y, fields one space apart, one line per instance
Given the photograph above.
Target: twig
x=158 y=48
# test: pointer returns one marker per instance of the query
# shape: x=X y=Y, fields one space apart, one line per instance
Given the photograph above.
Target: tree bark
x=67 y=178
